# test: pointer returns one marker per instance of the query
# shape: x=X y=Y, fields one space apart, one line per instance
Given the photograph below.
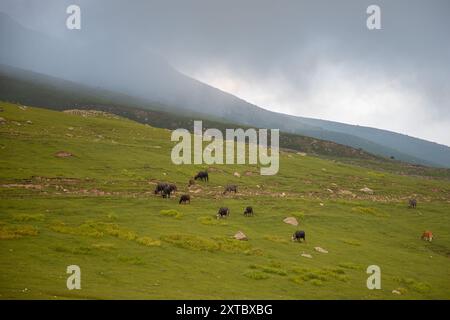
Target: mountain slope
x=33 y=89
x=139 y=73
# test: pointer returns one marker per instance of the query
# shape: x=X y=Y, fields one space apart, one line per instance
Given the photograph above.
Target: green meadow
x=96 y=209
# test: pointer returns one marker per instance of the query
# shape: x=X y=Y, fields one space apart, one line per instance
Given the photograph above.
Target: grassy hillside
x=34 y=89
x=96 y=209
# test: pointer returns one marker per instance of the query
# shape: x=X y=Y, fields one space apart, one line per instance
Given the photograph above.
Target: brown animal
x=230 y=188
x=412 y=203
x=191 y=182
x=185 y=198
x=427 y=236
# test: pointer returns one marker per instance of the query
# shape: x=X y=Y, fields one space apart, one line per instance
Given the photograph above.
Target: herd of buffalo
x=166 y=189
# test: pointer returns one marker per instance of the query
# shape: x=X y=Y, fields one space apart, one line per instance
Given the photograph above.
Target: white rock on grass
x=366 y=190
x=321 y=250
x=307 y=255
x=291 y=221
x=240 y=236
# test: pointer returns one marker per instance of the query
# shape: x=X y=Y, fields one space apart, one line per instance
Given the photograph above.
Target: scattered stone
x=236 y=174
x=240 y=236
x=366 y=190
x=330 y=191
x=2 y=120
x=345 y=192
x=321 y=250
x=63 y=154
x=303 y=154
x=91 y=113
x=291 y=221
x=396 y=292
x=321 y=204
x=29 y=122
x=23 y=107
x=307 y=255
x=164 y=174
x=283 y=195
x=258 y=186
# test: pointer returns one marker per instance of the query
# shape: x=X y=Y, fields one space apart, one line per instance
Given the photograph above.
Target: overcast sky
x=307 y=58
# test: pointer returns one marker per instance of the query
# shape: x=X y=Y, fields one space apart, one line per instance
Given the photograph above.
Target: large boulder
x=240 y=236
x=321 y=250
x=366 y=190
x=291 y=221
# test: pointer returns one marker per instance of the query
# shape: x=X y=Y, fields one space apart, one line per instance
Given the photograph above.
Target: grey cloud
x=259 y=40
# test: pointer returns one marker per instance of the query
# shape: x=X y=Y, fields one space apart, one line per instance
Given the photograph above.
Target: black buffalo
x=299 y=236
x=248 y=211
x=185 y=198
x=223 y=212
x=160 y=187
x=413 y=203
x=166 y=191
x=202 y=175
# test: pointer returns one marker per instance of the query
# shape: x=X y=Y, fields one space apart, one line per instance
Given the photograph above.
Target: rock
x=2 y=120
x=321 y=204
x=366 y=190
x=307 y=255
x=23 y=107
x=29 y=122
x=236 y=174
x=240 y=236
x=303 y=154
x=283 y=195
x=291 y=221
x=321 y=250
x=63 y=154
x=346 y=192
x=396 y=292
x=330 y=191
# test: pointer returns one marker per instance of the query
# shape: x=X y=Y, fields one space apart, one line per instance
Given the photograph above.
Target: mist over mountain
x=123 y=67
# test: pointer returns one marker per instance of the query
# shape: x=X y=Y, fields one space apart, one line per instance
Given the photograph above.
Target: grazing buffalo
x=230 y=188
x=299 y=236
x=412 y=203
x=202 y=175
x=427 y=236
x=166 y=191
x=173 y=188
x=223 y=212
x=185 y=198
x=248 y=212
x=160 y=187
